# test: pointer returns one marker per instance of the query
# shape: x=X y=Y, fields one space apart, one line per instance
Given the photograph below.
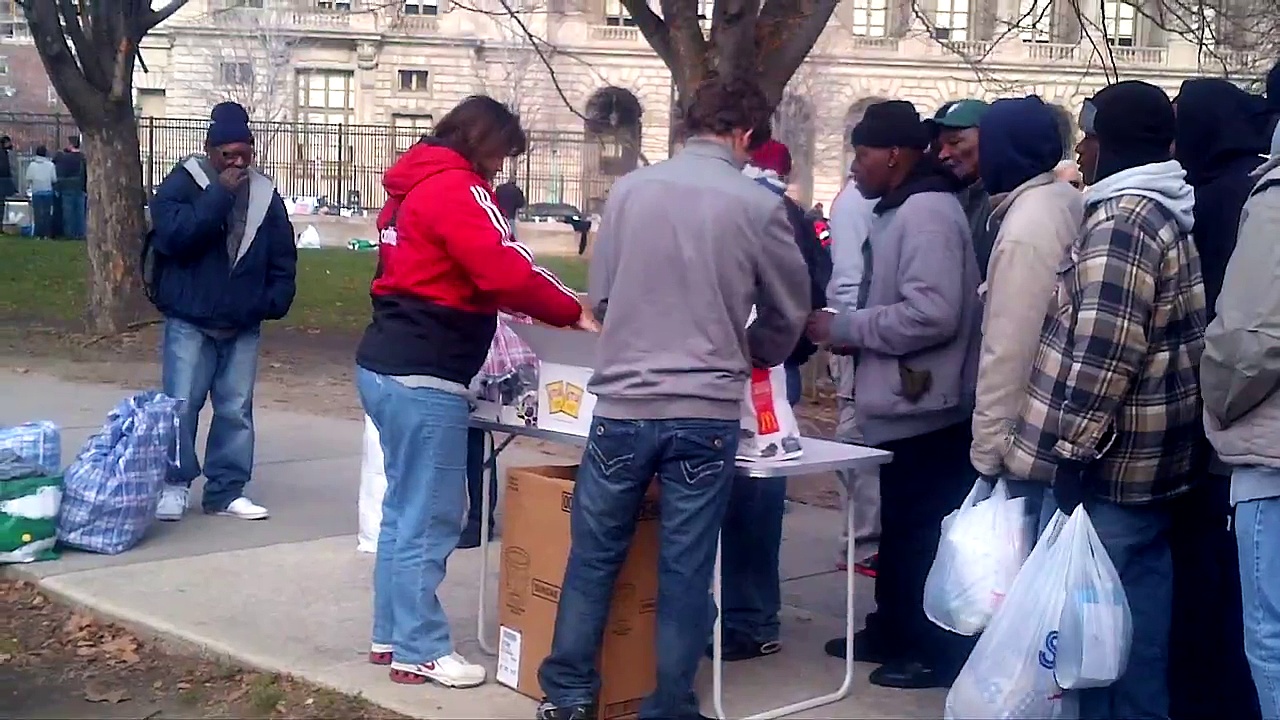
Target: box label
x=508 y=657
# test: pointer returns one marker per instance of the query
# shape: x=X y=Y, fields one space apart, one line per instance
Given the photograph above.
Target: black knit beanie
x=1134 y=124
x=893 y=123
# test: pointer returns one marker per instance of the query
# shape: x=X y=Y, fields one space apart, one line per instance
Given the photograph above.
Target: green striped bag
x=29 y=518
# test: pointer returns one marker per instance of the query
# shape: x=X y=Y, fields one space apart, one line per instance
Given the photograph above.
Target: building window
x=951 y=20
x=236 y=73
x=409 y=129
x=705 y=9
x=615 y=14
x=13 y=23
x=1120 y=22
x=415 y=80
x=870 y=18
x=51 y=96
x=421 y=7
x=327 y=97
x=4 y=64
x=245 y=3
x=333 y=5
x=1035 y=21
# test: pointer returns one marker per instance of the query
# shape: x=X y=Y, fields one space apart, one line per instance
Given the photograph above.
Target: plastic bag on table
x=373 y=486
x=984 y=544
x=1009 y=674
x=1096 y=629
x=769 y=427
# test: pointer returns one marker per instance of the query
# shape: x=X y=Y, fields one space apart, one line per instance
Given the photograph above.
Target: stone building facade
x=389 y=68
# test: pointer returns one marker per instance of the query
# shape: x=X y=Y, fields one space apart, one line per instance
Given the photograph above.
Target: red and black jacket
x=446 y=264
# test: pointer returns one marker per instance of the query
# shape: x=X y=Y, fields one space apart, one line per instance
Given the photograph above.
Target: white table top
x=819 y=456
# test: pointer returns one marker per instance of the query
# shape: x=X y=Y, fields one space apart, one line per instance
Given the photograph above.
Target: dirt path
x=56 y=662
x=299 y=370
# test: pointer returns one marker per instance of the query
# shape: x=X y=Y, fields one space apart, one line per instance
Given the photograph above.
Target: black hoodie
x=1219 y=141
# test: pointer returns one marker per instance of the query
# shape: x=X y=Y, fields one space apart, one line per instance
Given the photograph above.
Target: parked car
x=560 y=212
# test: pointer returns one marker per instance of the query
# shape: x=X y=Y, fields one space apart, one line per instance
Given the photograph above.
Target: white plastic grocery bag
x=1009 y=674
x=769 y=427
x=373 y=485
x=1096 y=629
x=984 y=544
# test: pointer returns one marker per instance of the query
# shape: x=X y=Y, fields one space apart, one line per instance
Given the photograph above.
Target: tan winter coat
x=1037 y=222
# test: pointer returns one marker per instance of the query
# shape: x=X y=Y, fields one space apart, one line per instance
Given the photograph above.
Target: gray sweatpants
x=862 y=489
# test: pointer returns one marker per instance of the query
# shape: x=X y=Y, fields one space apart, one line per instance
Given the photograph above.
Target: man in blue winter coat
x=221 y=260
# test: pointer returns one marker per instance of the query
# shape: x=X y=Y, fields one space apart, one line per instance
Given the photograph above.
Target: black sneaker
x=547 y=711
x=737 y=646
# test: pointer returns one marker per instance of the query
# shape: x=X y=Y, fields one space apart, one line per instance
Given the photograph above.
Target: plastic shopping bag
x=30 y=449
x=1096 y=629
x=769 y=427
x=1009 y=674
x=111 y=490
x=984 y=544
x=29 y=518
x=373 y=485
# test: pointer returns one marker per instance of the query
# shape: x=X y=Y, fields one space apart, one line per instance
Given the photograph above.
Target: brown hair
x=481 y=127
x=721 y=106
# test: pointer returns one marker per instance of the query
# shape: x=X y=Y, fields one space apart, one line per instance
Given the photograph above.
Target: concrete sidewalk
x=292 y=595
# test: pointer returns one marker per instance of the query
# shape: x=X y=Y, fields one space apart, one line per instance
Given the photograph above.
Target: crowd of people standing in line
x=1112 y=346
x=55 y=186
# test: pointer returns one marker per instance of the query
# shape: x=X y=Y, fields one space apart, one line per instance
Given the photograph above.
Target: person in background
x=71 y=188
x=1037 y=218
x=1239 y=377
x=1112 y=411
x=511 y=201
x=41 y=177
x=8 y=188
x=954 y=132
x=1219 y=143
x=816 y=213
x=916 y=335
x=224 y=261
x=686 y=248
x=851 y=217
x=446 y=264
x=752 y=532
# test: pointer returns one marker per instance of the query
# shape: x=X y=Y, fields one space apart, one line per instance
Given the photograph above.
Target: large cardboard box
x=565 y=361
x=535 y=550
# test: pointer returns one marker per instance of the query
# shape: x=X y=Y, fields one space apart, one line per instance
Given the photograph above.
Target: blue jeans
x=424 y=444
x=200 y=364
x=1137 y=540
x=42 y=212
x=73 y=211
x=694 y=462
x=752 y=536
x=1258 y=540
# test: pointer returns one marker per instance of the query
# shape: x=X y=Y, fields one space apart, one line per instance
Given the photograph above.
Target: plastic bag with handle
x=1010 y=673
x=1096 y=629
x=984 y=544
x=373 y=486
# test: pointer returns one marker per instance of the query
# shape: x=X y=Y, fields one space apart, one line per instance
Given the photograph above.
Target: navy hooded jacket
x=1218 y=140
x=1020 y=139
x=193 y=277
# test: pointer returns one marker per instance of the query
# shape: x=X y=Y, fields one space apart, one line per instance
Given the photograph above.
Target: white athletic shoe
x=173 y=503
x=245 y=509
x=452 y=671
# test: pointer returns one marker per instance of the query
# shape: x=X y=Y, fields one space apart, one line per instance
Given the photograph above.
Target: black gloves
x=1069 y=485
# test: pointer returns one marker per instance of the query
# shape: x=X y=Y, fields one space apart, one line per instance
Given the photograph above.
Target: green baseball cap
x=958 y=115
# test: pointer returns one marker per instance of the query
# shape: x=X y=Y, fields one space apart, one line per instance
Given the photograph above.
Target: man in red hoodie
x=446 y=264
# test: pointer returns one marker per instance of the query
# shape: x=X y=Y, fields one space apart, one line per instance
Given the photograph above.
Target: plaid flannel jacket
x=1115 y=381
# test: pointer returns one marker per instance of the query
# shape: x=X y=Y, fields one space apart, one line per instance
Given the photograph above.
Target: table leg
x=488 y=477
x=845 y=688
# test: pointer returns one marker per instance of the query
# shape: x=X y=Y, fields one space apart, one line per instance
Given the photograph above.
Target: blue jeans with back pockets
x=424 y=443
x=1257 y=524
x=220 y=366
x=693 y=460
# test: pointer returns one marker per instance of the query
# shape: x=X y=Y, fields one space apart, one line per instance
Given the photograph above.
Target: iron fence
x=340 y=164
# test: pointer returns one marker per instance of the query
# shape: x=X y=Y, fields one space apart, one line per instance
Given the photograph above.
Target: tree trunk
x=115 y=221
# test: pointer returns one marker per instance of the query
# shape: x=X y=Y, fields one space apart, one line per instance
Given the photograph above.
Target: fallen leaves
x=96 y=694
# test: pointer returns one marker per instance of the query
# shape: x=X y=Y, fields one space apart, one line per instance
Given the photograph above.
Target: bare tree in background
x=795 y=125
x=89 y=49
x=510 y=69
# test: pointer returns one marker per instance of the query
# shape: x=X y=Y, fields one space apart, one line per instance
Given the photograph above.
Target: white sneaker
x=245 y=509
x=173 y=503
x=451 y=671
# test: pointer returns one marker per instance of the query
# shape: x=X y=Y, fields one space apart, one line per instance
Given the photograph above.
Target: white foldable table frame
x=820 y=456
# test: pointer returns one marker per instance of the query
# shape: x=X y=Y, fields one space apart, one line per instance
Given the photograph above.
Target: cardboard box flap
x=555 y=345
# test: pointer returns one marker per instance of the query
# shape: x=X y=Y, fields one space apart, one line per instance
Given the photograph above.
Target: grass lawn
x=45 y=280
